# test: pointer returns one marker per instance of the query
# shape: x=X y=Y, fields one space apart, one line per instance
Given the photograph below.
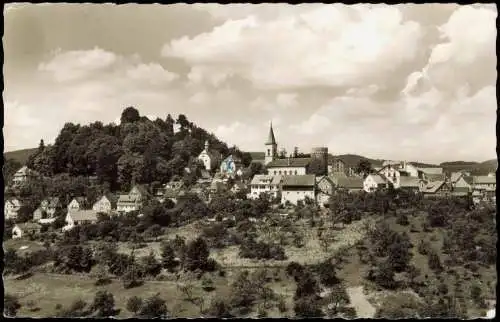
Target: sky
x=400 y=82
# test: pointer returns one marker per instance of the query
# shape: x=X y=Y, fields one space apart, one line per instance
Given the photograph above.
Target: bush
x=403 y=220
x=424 y=247
x=434 y=261
x=207 y=284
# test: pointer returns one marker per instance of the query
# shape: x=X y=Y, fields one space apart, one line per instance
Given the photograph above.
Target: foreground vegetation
x=414 y=257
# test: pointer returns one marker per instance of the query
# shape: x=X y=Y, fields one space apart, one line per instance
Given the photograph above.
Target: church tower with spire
x=271 y=146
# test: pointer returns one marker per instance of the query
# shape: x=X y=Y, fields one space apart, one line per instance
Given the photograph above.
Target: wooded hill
x=138 y=150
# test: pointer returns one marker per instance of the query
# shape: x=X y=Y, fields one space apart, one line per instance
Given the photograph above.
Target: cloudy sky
x=413 y=82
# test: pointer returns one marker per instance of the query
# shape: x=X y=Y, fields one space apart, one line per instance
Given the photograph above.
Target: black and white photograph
x=243 y=160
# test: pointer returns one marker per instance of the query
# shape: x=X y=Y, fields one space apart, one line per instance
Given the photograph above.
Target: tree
x=197 y=254
x=434 y=261
x=11 y=305
x=129 y=115
x=134 y=304
x=364 y=167
x=400 y=254
x=219 y=309
x=338 y=298
x=307 y=307
x=104 y=304
x=400 y=307
x=306 y=285
x=150 y=265
x=154 y=307
x=168 y=256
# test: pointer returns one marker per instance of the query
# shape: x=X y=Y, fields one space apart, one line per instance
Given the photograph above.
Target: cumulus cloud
x=237 y=133
x=76 y=64
x=332 y=45
x=153 y=74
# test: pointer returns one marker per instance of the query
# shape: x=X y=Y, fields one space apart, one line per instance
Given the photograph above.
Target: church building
x=209 y=158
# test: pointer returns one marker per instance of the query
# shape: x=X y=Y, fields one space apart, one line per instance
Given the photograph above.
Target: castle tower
x=321 y=154
x=271 y=146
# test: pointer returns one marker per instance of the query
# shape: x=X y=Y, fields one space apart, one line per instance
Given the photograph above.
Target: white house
x=78 y=203
x=375 y=181
x=105 y=204
x=127 y=203
x=288 y=166
x=11 y=208
x=300 y=187
x=324 y=189
x=19 y=230
x=209 y=157
x=80 y=217
x=50 y=205
x=486 y=183
x=391 y=174
x=262 y=183
x=22 y=175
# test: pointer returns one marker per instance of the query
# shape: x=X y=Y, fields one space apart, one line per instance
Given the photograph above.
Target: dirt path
x=363 y=308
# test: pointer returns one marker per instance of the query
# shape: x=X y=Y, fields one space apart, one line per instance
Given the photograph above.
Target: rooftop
x=289 y=162
x=83 y=215
x=264 y=178
x=299 y=180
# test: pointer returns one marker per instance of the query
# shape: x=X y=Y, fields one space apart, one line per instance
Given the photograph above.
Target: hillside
x=136 y=151
x=20 y=156
x=354 y=159
x=475 y=168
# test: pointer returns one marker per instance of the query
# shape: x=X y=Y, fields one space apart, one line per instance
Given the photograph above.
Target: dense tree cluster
x=136 y=151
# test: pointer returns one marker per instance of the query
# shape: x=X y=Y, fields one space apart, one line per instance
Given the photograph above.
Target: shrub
x=424 y=247
x=403 y=220
x=207 y=284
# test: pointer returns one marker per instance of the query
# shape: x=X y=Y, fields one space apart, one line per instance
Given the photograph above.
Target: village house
x=460 y=186
x=288 y=166
x=296 y=188
x=11 y=208
x=231 y=167
x=25 y=229
x=50 y=206
x=105 y=204
x=42 y=217
x=411 y=184
x=80 y=217
x=78 y=203
x=263 y=183
x=437 y=189
x=23 y=175
x=391 y=174
x=324 y=189
x=339 y=167
x=127 y=203
x=375 y=182
x=350 y=184
x=209 y=157
x=486 y=183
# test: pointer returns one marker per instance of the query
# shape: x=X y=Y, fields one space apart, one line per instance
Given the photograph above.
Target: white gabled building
x=263 y=183
x=374 y=182
x=11 y=208
x=298 y=188
x=209 y=157
x=80 y=217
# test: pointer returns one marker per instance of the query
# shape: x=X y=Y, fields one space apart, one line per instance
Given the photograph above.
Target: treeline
x=136 y=151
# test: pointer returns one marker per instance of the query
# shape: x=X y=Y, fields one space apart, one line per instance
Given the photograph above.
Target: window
x=280 y=172
x=295 y=172
x=274 y=171
x=268 y=152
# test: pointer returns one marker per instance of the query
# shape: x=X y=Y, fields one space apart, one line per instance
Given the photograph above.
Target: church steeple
x=270 y=137
x=271 y=146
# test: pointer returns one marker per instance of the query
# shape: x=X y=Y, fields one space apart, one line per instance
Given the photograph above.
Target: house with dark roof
x=298 y=187
x=411 y=184
x=80 y=217
x=437 y=189
x=23 y=175
x=351 y=184
x=288 y=166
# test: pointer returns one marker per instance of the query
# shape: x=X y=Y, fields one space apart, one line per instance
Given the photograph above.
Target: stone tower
x=321 y=154
x=271 y=146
